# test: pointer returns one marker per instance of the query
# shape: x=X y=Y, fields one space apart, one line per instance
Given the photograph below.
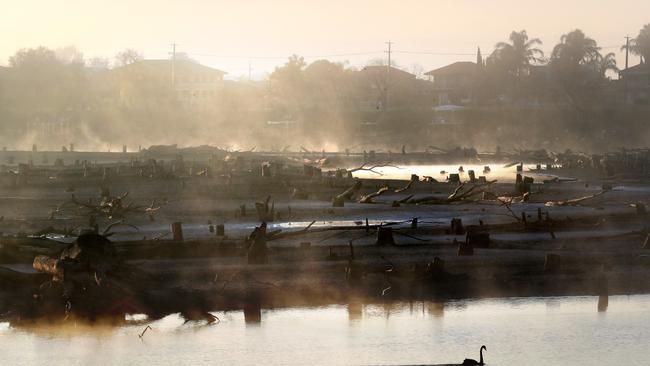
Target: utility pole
x=389 y=43
x=627 y=51
x=627 y=57
x=173 y=64
x=249 y=71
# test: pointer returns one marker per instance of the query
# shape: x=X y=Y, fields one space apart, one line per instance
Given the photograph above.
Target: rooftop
x=462 y=67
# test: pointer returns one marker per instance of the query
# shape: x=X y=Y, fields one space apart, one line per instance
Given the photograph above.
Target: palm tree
x=574 y=49
x=520 y=53
x=640 y=46
x=605 y=63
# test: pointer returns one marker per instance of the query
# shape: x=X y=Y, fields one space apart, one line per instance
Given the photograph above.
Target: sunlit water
x=531 y=331
x=441 y=172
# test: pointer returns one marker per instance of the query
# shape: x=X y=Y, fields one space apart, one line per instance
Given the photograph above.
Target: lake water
x=519 y=331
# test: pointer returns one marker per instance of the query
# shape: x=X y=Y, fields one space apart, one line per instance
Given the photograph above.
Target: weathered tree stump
x=177 y=231
x=478 y=238
x=457 y=227
x=385 y=236
x=257 y=250
x=472 y=176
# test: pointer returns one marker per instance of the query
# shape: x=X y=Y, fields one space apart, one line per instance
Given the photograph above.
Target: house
x=389 y=88
x=196 y=86
x=453 y=83
x=635 y=82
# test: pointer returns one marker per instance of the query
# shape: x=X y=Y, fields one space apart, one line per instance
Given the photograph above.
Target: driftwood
x=573 y=202
x=459 y=194
x=368 y=198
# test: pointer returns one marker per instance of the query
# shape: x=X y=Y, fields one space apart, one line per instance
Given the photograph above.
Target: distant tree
x=574 y=49
x=128 y=57
x=519 y=54
x=640 y=45
x=33 y=58
x=98 y=62
x=70 y=55
x=579 y=68
x=605 y=63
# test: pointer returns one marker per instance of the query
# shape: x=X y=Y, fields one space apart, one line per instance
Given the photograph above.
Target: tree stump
x=257 y=250
x=457 y=226
x=221 y=230
x=385 y=236
x=478 y=239
x=472 y=176
x=177 y=231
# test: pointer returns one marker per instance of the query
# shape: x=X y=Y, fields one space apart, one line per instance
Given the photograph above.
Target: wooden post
x=221 y=230
x=414 y=223
x=177 y=231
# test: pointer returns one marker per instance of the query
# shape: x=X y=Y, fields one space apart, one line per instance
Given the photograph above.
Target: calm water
x=531 y=331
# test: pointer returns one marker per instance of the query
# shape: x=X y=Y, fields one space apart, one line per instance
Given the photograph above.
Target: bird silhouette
x=471 y=362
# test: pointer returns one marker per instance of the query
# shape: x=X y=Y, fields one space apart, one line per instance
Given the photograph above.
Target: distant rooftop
x=638 y=69
x=462 y=67
x=180 y=65
x=380 y=68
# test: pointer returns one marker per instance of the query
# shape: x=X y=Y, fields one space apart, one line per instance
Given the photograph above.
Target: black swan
x=471 y=362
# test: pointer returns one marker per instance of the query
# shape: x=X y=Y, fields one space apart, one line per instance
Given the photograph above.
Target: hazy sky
x=230 y=34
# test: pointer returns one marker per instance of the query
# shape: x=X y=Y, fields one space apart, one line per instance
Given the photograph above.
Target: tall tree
x=640 y=45
x=127 y=57
x=574 y=49
x=604 y=63
x=519 y=54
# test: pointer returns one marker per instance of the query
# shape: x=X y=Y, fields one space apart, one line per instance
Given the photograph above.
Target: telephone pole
x=627 y=57
x=249 y=71
x=390 y=44
x=173 y=64
x=627 y=50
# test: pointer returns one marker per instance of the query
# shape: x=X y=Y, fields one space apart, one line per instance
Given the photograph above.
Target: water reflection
x=557 y=331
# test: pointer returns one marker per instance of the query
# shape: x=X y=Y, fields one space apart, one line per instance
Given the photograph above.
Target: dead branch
x=371 y=169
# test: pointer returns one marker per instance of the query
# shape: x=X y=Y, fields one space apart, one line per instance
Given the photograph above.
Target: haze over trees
x=57 y=96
